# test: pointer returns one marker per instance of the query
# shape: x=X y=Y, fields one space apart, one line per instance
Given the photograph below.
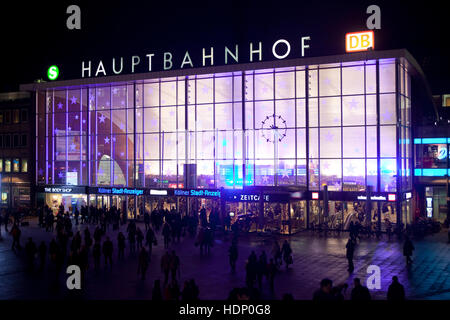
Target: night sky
x=34 y=36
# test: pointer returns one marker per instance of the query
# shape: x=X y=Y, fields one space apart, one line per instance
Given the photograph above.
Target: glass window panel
x=387 y=77
x=237 y=88
x=387 y=109
x=206 y=141
x=372 y=173
x=353 y=110
x=388 y=141
x=7 y=165
x=313 y=112
x=330 y=82
x=119 y=97
x=264 y=173
x=104 y=171
x=330 y=111
x=169 y=169
x=237 y=136
x=371 y=141
x=224 y=173
x=330 y=143
x=74 y=121
x=119 y=118
x=168 y=93
x=151 y=119
x=205 y=174
x=353 y=80
x=74 y=97
x=301 y=115
x=264 y=113
x=151 y=173
x=224 y=147
x=314 y=174
x=312 y=83
x=1 y=166
x=371 y=79
x=354 y=174
x=388 y=169
x=120 y=147
x=181 y=92
x=151 y=94
x=224 y=116
x=264 y=86
x=314 y=143
x=249 y=87
x=286 y=172
x=249 y=144
x=371 y=110
x=130 y=122
x=151 y=146
x=285 y=85
x=331 y=174
x=264 y=149
x=301 y=143
x=16 y=165
x=353 y=143
x=168 y=119
x=205 y=90
x=286 y=147
x=104 y=122
x=237 y=115
x=103 y=96
x=169 y=145
x=73 y=150
x=181 y=118
x=191 y=144
x=24 y=165
x=285 y=109
x=249 y=115
x=301 y=172
x=205 y=117
x=249 y=172
x=181 y=143
x=300 y=84
x=224 y=89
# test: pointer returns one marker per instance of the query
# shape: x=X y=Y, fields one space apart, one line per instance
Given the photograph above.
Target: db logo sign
x=359 y=41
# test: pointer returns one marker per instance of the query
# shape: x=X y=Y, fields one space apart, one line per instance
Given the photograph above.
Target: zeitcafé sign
x=281 y=49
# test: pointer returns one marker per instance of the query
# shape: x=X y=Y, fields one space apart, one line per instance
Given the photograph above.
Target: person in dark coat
x=360 y=292
x=350 y=246
x=396 y=291
x=408 y=249
x=324 y=293
x=286 y=252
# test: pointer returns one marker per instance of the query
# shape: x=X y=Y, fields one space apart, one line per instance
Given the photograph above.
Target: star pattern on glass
x=69 y=128
x=40 y=171
x=121 y=126
x=84 y=121
x=49 y=166
x=326 y=81
x=337 y=185
x=106 y=140
x=326 y=165
x=56 y=131
x=336 y=120
x=77 y=117
x=265 y=179
x=114 y=90
x=387 y=116
x=73 y=146
x=153 y=122
x=91 y=98
x=73 y=100
x=74 y=170
x=264 y=89
x=99 y=154
x=102 y=118
x=60 y=175
x=350 y=168
x=60 y=105
x=329 y=136
x=282 y=84
x=100 y=170
x=114 y=139
x=354 y=104
x=205 y=90
x=56 y=153
x=108 y=103
x=122 y=154
x=84 y=164
x=122 y=103
x=285 y=173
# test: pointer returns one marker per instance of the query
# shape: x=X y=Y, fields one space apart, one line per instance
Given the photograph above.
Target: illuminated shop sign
x=315 y=196
x=408 y=195
x=373 y=198
x=58 y=190
x=280 y=49
x=197 y=193
x=158 y=192
x=429 y=207
x=359 y=41
x=247 y=197
x=61 y=189
x=124 y=191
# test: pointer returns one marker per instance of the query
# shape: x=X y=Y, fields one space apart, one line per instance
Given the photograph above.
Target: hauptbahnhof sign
x=280 y=49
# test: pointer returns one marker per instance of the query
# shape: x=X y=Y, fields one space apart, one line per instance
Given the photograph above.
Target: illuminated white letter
x=186 y=59
x=211 y=56
x=150 y=55
x=287 y=51
x=259 y=51
x=100 y=68
x=134 y=62
x=114 y=65
x=374 y=280
x=374 y=21
x=167 y=54
x=83 y=68
x=74 y=280
x=304 y=46
x=74 y=21
x=234 y=56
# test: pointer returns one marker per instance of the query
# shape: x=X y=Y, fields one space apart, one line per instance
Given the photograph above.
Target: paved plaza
x=315 y=257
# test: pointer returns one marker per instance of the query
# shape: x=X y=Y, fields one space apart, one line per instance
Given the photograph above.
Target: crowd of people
x=79 y=247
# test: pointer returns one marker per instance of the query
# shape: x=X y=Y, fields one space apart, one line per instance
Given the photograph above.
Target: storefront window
x=8 y=165
x=1 y=165
x=24 y=165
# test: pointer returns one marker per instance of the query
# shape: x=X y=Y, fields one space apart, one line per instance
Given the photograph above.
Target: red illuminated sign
x=391 y=197
x=315 y=196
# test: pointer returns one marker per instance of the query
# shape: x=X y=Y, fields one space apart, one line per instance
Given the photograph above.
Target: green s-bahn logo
x=53 y=72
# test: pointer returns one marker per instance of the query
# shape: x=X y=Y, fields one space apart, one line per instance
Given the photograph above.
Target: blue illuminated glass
x=418 y=141
x=418 y=172
x=434 y=140
x=434 y=172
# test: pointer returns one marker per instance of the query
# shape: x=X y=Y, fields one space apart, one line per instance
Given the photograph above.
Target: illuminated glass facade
x=346 y=125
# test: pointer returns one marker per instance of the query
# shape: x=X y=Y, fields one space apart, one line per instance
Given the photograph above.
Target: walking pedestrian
x=276 y=253
x=174 y=265
x=165 y=266
x=233 y=255
x=324 y=293
x=107 y=252
x=150 y=240
x=408 y=249
x=360 y=292
x=396 y=291
x=15 y=232
x=166 y=234
x=143 y=263
x=350 y=247
x=287 y=251
x=139 y=238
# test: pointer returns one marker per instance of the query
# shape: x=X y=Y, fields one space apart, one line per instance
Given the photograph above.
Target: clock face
x=274 y=128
